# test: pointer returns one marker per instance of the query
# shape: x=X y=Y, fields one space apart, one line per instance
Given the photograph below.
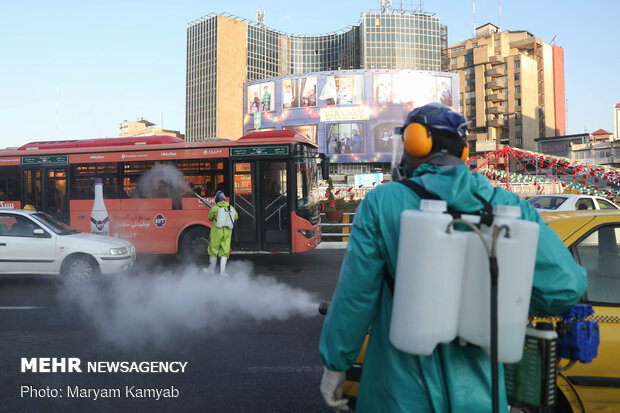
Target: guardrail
x=336 y=240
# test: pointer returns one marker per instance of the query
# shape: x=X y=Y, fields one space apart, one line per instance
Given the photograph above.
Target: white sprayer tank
x=427 y=286
x=516 y=257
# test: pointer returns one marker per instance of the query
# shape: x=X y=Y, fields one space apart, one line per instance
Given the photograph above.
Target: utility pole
x=57 y=93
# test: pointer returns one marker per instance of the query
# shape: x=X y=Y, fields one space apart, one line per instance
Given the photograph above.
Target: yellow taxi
x=593 y=237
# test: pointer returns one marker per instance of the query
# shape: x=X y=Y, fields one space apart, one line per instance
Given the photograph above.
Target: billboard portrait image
x=343 y=90
x=345 y=138
x=307 y=85
x=383 y=136
x=260 y=97
x=383 y=89
x=299 y=92
x=396 y=88
x=444 y=90
x=309 y=131
x=290 y=93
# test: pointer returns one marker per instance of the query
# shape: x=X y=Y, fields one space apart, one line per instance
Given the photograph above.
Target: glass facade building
x=400 y=41
x=200 y=79
x=381 y=40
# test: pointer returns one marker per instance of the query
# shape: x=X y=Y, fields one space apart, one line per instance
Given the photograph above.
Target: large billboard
x=349 y=114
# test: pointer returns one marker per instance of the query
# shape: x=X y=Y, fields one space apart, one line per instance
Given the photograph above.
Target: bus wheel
x=80 y=267
x=194 y=244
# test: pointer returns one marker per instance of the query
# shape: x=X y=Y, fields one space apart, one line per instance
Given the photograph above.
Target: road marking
x=21 y=307
x=332 y=245
x=285 y=369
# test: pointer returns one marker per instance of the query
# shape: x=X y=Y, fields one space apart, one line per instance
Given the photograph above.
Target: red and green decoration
x=536 y=168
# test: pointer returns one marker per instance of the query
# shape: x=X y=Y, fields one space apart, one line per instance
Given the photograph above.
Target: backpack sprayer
x=444 y=298
x=532 y=381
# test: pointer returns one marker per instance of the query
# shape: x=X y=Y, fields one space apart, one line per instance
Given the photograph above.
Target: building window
x=517 y=64
x=517 y=76
x=469 y=59
x=517 y=89
x=517 y=102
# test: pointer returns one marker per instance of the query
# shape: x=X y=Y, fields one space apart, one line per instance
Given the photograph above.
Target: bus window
x=205 y=176
x=33 y=189
x=131 y=174
x=83 y=182
x=8 y=183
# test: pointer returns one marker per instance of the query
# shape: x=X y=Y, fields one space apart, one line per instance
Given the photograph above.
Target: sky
x=109 y=61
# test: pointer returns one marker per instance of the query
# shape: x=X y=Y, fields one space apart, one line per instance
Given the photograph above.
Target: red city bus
x=271 y=179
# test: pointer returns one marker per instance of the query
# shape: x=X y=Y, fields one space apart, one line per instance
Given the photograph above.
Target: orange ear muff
x=465 y=153
x=418 y=141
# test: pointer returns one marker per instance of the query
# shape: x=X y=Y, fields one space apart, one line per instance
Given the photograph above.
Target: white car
x=570 y=202
x=32 y=242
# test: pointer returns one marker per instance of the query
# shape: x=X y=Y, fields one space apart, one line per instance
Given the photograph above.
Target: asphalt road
x=237 y=364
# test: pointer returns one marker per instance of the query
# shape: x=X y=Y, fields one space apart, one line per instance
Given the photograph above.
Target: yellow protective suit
x=219 y=245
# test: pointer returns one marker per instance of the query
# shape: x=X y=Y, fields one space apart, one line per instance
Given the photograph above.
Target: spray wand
x=204 y=201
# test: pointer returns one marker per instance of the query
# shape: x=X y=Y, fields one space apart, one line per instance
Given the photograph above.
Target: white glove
x=331 y=389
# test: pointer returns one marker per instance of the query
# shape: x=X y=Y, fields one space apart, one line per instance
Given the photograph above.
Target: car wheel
x=80 y=268
x=194 y=245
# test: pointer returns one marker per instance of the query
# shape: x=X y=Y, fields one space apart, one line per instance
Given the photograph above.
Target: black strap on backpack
x=486 y=216
x=486 y=213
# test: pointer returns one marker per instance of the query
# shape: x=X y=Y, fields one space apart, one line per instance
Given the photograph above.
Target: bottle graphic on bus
x=99 y=221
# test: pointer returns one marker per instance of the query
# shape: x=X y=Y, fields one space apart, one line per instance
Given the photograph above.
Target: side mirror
x=324 y=165
x=39 y=233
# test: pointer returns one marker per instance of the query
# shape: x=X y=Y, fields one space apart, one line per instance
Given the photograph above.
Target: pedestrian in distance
x=224 y=218
x=454 y=377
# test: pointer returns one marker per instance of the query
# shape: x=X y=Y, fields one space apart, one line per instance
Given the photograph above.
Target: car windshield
x=53 y=224
x=547 y=202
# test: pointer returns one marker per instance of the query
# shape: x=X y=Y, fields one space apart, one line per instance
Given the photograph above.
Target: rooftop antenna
x=552 y=42
x=260 y=17
x=500 y=15
x=474 y=5
x=57 y=93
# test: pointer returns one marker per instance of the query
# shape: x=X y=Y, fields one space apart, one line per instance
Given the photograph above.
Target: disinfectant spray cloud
x=162 y=180
x=130 y=310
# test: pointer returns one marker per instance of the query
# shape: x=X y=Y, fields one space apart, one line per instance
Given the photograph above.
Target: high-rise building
x=511 y=87
x=224 y=51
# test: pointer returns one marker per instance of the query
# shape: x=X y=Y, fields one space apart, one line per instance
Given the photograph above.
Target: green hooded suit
x=219 y=242
x=453 y=378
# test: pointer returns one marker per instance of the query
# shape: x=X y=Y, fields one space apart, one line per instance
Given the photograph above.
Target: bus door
x=45 y=188
x=260 y=196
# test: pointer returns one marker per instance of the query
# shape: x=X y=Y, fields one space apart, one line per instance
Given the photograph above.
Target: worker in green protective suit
x=224 y=218
x=455 y=377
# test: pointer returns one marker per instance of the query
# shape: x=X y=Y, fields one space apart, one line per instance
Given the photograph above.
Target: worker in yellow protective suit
x=224 y=218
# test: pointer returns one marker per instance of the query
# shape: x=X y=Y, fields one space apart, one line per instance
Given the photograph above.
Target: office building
x=511 y=87
x=225 y=51
x=142 y=127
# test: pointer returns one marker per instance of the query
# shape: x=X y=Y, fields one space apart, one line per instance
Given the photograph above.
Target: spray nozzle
x=323 y=307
